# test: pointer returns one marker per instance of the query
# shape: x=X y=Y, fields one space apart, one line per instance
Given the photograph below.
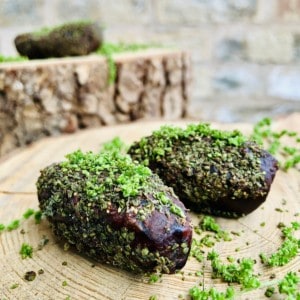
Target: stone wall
x=246 y=53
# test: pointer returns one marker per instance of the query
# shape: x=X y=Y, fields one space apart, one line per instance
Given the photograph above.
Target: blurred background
x=245 y=53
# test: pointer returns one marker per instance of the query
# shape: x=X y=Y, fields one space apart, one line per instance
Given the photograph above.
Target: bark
x=49 y=97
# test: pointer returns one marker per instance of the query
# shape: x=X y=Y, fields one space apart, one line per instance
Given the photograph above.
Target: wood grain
x=18 y=174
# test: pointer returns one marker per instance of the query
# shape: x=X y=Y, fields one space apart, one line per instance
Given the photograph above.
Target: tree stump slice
x=19 y=172
x=48 y=97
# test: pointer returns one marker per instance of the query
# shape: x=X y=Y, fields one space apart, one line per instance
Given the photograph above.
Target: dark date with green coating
x=116 y=212
x=212 y=171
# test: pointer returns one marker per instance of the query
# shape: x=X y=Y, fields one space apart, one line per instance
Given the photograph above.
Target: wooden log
x=251 y=235
x=61 y=95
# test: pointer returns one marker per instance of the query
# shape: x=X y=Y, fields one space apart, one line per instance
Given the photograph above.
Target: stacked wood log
x=47 y=97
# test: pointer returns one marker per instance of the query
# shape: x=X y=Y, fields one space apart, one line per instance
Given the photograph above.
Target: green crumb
x=269 y=292
x=271 y=140
x=132 y=177
x=28 y=213
x=241 y=272
x=153 y=297
x=288 y=250
x=30 y=276
x=109 y=49
x=38 y=216
x=14 y=286
x=153 y=278
x=199 y=294
x=209 y=224
x=2 y=227
x=116 y=145
x=13 y=225
x=64 y=283
x=43 y=242
x=26 y=251
x=4 y=59
x=262 y=224
x=66 y=246
x=64 y=263
x=196 y=250
x=41 y=271
x=289 y=286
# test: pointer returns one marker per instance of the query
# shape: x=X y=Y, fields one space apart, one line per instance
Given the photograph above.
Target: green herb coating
x=26 y=251
x=115 y=211
x=212 y=171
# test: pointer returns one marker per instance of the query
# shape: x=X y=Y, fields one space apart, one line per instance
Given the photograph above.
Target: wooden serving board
x=18 y=174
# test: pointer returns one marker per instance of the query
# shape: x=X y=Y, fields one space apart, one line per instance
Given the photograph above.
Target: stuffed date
x=116 y=212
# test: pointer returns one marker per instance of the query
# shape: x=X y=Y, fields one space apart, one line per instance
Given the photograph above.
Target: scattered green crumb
x=230 y=259
x=64 y=283
x=209 y=224
x=66 y=246
x=235 y=233
x=153 y=297
x=22 y=231
x=271 y=140
x=200 y=294
x=196 y=250
x=269 y=292
x=241 y=272
x=14 y=286
x=13 y=225
x=288 y=249
x=4 y=59
x=43 y=242
x=68 y=298
x=153 y=278
x=237 y=249
x=289 y=286
x=26 y=251
x=278 y=209
x=109 y=49
x=199 y=273
x=28 y=213
x=64 y=263
x=262 y=224
x=38 y=216
x=41 y=271
x=115 y=145
x=2 y=227
x=30 y=276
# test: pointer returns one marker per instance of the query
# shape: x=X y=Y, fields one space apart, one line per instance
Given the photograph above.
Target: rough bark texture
x=48 y=97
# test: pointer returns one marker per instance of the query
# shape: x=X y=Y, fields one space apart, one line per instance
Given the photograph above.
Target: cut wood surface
x=18 y=174
x=48 y=97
